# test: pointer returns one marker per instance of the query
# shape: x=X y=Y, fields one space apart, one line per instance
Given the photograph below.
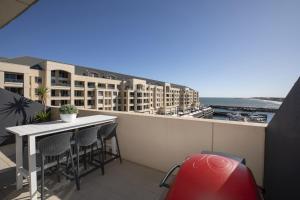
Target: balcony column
x=32 y=88
x=72 y=87
x=47 y=82
x=26 y=87
x=96 y=97
x=1 y=79
x=111 y=101
x=135 y=101
x=85 y=94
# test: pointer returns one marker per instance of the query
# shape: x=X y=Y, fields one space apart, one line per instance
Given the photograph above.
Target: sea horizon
x=240 y=102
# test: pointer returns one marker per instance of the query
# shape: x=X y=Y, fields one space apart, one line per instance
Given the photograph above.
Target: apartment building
x=92 y=88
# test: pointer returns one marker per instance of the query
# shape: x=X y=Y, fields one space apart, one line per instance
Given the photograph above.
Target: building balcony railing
x=61 y=84
x=12 y=80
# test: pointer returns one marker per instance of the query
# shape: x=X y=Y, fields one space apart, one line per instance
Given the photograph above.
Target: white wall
x=159 y=141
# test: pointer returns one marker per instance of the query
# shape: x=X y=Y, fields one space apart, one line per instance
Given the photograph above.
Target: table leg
x=114 y=145
x=19 y=161
x=32 y=167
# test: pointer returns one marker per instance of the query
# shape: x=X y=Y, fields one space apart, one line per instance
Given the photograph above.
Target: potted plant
x=68 y=113
x=44 y=115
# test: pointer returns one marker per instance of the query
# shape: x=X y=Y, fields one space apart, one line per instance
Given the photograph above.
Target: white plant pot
x=68 y=117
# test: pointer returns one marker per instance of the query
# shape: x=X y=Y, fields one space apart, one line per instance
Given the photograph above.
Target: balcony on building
x=13 y=77
x=91 y=85
x=111 y=86
x=102 y=85
x=79 y=84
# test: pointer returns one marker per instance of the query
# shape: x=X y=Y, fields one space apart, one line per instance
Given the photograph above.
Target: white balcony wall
x=160 y=141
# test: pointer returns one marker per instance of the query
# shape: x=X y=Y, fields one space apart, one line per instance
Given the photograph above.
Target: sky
x=222 y=48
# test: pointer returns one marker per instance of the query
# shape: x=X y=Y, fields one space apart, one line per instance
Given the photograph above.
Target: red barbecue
x=212 y=177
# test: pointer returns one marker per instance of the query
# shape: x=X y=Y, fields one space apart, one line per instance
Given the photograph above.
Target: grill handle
x=163 y=181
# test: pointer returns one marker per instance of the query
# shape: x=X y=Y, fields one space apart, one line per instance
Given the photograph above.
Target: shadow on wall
x=17 y=107
x=15 y=110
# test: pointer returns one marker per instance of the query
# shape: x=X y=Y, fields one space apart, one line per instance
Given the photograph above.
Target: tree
x=42 y=92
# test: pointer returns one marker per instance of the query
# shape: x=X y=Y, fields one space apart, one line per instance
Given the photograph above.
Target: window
x=79 y=102
x=63 y=102
x=15 y=90
x=64 y=93
x=91 y=102
x=79 y=84
x=13 y=77
x=111 y=86
x=53 y=93
x=91 y=85
x=107 y=94
x=38 y=79
x=91 y=93
x=63 y=74
x=100 y=101
x=101 y=85
x=78 y=93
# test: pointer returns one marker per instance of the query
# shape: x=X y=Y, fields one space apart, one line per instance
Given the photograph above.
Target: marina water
x=241 y=102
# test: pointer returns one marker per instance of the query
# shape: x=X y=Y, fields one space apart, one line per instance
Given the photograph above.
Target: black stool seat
x=106 y=133
x=55 y=146
x=87 y=139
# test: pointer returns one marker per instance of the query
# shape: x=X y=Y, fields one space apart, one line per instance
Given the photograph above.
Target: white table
x=35 y=130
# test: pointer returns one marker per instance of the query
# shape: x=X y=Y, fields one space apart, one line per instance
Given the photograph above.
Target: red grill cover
x=213 y=177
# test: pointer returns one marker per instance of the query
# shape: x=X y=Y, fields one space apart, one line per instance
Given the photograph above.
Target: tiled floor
x=121 y=181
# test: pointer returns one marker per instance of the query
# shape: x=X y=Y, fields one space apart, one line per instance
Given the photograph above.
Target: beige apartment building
x=92 y=88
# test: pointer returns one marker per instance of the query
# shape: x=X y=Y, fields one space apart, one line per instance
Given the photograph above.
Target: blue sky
x=224 y=48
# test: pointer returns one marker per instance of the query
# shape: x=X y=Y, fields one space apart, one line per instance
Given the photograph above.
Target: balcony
x=79 y=84
x=13 y=80
x=150 y=145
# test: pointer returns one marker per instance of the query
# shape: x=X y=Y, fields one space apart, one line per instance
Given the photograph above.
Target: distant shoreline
x=274 y=99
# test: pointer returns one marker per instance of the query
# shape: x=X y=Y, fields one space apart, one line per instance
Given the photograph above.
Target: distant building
x=92 y=88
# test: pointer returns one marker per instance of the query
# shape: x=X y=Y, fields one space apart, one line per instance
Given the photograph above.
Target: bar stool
x=107 y=132
x=55 y=146
x=85 y=139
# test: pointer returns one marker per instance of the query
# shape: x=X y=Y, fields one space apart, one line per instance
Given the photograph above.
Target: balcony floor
x=121 y=181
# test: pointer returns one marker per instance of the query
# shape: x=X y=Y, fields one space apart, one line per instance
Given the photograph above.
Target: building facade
x=92 y=88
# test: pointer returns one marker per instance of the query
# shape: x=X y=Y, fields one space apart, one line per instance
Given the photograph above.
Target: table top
x=59 y=126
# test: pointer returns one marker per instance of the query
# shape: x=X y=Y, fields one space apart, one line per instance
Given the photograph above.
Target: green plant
x=42 y=116
x=68 y=109
x=42 y=92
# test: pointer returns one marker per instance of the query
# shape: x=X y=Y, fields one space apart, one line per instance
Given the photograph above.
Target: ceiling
x=10 y=9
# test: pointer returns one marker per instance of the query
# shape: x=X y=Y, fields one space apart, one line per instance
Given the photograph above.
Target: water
x=241 y=102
